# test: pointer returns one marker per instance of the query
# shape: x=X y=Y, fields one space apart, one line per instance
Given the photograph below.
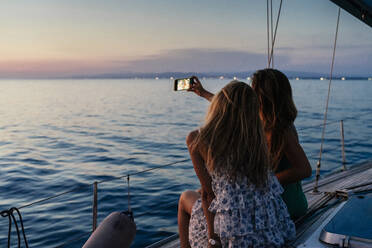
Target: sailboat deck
x=356 y=178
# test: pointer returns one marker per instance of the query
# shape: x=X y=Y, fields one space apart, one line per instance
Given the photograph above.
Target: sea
x=58 y=137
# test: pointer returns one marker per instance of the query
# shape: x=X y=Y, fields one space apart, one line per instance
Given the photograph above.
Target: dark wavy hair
x=277 y=109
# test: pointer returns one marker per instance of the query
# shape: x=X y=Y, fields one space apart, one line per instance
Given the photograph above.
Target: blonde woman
x=240 y=203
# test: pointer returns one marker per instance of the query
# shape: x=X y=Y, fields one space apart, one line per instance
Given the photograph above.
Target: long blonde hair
x=232 y=136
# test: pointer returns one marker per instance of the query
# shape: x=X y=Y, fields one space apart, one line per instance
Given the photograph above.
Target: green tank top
x=293 y=195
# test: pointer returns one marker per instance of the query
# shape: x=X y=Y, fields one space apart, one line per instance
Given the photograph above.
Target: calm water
x=56 y=135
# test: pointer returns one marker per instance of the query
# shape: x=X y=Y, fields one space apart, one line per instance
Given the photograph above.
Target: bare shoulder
x=191 y=137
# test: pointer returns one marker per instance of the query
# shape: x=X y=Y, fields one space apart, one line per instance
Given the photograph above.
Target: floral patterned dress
x=245 y=216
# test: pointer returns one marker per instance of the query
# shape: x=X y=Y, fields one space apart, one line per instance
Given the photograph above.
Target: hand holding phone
x=183 y=83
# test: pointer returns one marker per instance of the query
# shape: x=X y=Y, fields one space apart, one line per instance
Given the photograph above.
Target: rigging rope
x=268 y=31
x=271 y=10
x=315 y=190
x=10 y=215
x=322 y=206
x=270 y=52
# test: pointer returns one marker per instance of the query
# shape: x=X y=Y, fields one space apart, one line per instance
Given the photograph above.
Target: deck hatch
x=352 y=223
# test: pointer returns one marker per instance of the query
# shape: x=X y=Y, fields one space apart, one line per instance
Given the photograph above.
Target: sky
x=47 y=38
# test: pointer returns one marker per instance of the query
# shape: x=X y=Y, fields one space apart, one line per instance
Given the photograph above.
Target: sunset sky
x=46 y=38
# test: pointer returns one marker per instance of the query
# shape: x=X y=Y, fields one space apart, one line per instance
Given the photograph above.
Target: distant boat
x=171 y=78
x=322 y=78
x=235 y=78
x=248 y=78
x=297 y=78
x=370 y=78
x=343 y=78
x=156 y=78
x=221 y=77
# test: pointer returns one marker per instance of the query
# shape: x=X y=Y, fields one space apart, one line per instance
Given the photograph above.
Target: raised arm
x=300 y=166
x=198 y=89
x=205 y=181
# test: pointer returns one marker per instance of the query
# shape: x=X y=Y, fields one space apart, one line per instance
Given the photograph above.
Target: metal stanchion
x=95 y=186
x=343 y=146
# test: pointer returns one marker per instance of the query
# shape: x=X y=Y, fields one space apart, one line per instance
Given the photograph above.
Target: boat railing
x=9 y=212
x=329 y=150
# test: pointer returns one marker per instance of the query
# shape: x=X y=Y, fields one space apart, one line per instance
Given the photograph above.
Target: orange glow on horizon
x=55 y=67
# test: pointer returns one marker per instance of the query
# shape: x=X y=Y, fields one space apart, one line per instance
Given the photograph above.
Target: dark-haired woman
x=240 y=203
x=278 y=113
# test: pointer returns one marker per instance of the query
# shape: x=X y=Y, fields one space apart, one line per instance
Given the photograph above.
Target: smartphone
x=183 y=83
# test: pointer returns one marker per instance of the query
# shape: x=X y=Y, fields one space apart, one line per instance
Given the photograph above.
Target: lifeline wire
x=315 y=190
x=10 y=215
x=102 y=181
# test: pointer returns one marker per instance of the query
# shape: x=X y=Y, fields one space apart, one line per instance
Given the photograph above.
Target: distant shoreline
x=171 y=78
x=212 y=75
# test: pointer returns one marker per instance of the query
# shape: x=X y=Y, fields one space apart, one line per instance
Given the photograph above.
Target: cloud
x=352 y=59
x=53 y=68
x=349 y=60
x=176 y=60
x=199 y=60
